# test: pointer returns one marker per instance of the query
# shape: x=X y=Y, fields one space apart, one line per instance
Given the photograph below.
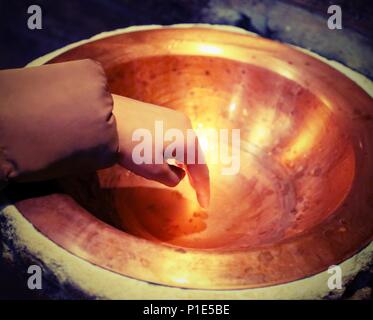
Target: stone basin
x=301 y=201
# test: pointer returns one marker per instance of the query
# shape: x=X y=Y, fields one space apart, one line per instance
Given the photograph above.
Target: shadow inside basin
x=155 y=213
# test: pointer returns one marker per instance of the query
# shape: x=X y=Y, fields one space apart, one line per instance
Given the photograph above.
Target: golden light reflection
x=260 y=134
x=203 y=143
x=209 y=49
x=311 y=132
x=235 y=100
x=326 y=102
x=180 y=280
x=232 y=107
x=209 y=142
x=282 y=68
x=269 y=126
x=302 y=143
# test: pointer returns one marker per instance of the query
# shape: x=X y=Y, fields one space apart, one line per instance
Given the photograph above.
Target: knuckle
x=159 y=170
x=171 y=183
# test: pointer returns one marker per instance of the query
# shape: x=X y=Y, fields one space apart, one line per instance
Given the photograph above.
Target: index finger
x=199 y=178
x=198 y=174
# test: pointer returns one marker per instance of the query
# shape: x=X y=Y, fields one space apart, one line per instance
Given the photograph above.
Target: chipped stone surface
x=66 y=276
x=362 y=294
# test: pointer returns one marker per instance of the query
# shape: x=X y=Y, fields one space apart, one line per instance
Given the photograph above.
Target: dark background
x=65 y=22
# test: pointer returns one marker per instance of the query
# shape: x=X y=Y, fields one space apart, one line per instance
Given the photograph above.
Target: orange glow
x=209 y=49
x=260 y=134
x=269 y=124
x=302 y=143
x=309 y=135
x=257 y=218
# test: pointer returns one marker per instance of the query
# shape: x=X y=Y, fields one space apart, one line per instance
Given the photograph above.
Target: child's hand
x=131 y=115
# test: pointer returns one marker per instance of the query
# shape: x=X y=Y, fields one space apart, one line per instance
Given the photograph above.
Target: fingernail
x=203 y=200
x=179 y=172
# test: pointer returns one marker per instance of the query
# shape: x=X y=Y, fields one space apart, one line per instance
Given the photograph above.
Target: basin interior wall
x=289 y=178
x=300 y=197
